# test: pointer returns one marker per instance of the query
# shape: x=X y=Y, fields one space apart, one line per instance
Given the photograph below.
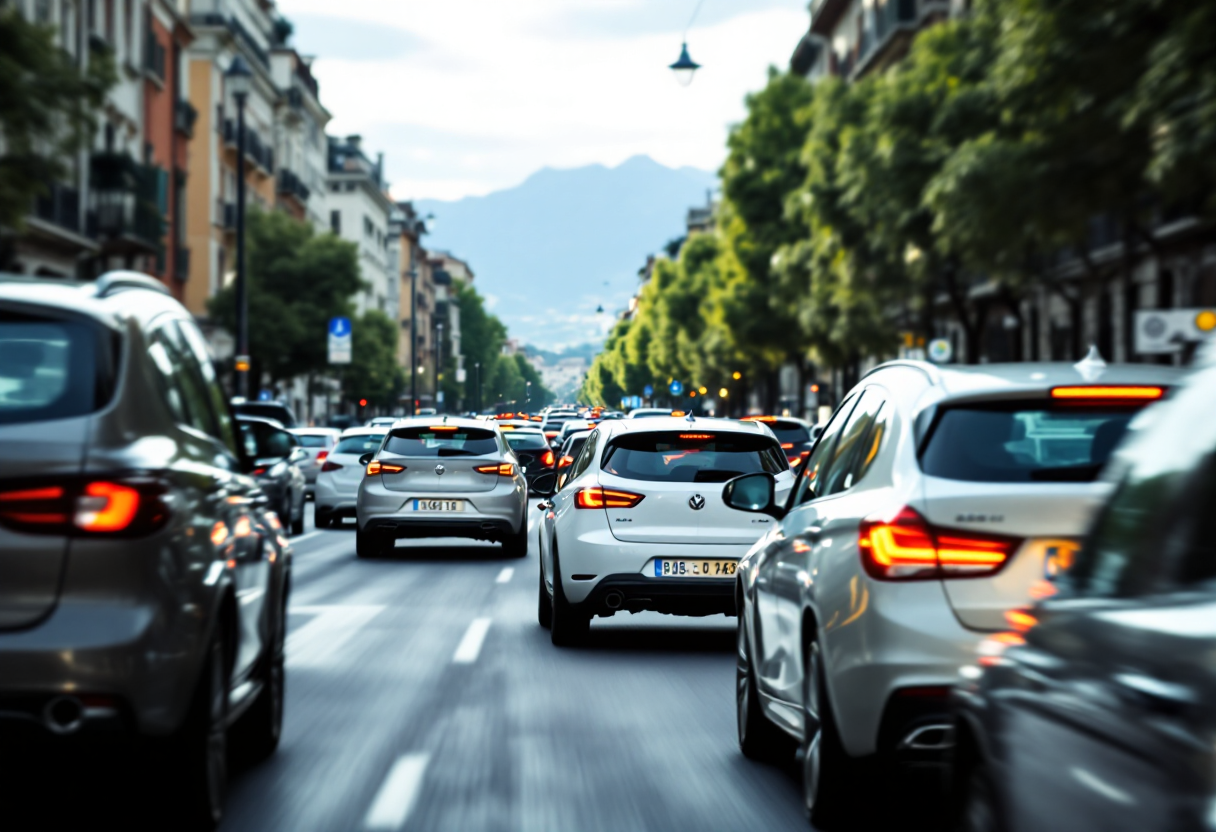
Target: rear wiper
x=1070 y=473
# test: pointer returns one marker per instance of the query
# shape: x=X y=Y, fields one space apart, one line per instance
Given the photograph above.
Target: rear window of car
x=1024 y=442
x=278 y=412
x=438 y=441
x=366 y=443
x=575 y=446
x=789 y=431
x=526 y=442
x=52 y=369
x=312 y=440
x=691 y=456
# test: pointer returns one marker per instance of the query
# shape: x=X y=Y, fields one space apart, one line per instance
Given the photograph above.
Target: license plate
x=438 y=505
x=686 y=568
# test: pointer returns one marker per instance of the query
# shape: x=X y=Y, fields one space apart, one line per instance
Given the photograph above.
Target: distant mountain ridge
x=551 y=250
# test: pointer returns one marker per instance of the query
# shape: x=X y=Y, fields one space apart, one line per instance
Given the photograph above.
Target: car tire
x=516 y=545
x=568 y=625
x=544 y=604
x=759 y=738
x=369 y=544
x=196 y=775
x=256 y=735
x=828 y=773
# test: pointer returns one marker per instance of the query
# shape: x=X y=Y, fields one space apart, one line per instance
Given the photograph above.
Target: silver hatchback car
x=442 y=477
x=143 y=576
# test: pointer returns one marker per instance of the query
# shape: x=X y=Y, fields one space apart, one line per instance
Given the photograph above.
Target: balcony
x=257 y=151
x=154 y=58
x=290 y=184
x=225 y=214
x=60 y=206
x=124 y=204
x=181 y=264
x=184 y=116
x=238 y=30
x=886 y=30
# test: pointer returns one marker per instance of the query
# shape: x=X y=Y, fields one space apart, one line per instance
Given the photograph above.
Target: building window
x=42 y=11
x=367 y=226
x=335 y=221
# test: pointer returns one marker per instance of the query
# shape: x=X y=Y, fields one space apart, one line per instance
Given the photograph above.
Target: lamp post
x=239 y=79
x=438 y=360
x=477 y=369
x=413 y=333
x=527 y=397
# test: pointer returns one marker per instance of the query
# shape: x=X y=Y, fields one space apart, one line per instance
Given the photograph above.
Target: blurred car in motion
x=276 y=411
x=1096 y=710
x=318 y=442
x=573 y=426
x=569 y=452
x=649 y=412
x=533 y=453
x=793 y=434
x=637 y=524
x=381 y=422
x=552 y=425
x=342 y=421
x=427 y=411
x=449 y=477
x=143 y=580
x=931 y=504
x=336 y=494
x=278 y=456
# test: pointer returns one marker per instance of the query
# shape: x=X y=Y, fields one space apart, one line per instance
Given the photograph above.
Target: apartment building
x=301 y=149
x=359 y=212
x=416 y=346
x=120 y=202
x=449 y=274
x=849 y=38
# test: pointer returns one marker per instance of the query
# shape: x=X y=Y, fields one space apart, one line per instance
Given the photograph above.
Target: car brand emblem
x=696 y=502
x=439 y=469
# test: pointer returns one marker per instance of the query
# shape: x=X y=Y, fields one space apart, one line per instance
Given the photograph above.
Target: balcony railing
x=154 y=57
x=256 y=150
x=184 y=116
x=291 y=185
x=124 y=203
x=60 y=205
x=226 y=214
x=238 y=30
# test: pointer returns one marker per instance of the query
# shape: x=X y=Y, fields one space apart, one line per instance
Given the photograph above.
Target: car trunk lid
x=442 y=459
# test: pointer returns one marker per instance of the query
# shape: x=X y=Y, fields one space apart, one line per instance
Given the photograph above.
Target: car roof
x=362 y=430
x=317 y=431
x=245 y=417
x=458 y=421
x=110 y=299
x=681 y=423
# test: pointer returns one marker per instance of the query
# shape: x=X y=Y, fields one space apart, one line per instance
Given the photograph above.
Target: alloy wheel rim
x=812 y=749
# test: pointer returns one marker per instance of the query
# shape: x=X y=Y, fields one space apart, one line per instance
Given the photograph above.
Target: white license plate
x=688 y=568
x=438 y=505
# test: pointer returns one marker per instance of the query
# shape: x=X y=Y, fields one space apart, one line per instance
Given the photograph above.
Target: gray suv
x=143 y=576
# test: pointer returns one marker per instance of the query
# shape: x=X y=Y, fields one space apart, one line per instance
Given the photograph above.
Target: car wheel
x=516 y=545
x=977 y=808
x=568 y=625
x=257 y=734
x=197 y=775
x=827 y=771
x=369 y=544
x=544 y=604
x=759 y=738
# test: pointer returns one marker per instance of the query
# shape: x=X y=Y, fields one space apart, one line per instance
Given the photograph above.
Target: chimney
x=355 y=141
x=380 y=168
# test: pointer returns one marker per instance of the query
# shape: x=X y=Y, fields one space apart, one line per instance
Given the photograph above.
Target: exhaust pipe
x=63 y=715
x=613 y=600
x=929 y=738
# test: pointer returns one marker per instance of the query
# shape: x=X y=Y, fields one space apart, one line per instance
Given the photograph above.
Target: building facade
x=359 y=212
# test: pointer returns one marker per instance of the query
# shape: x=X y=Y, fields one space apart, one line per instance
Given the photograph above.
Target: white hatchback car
x=337 y=488
x=639 y=524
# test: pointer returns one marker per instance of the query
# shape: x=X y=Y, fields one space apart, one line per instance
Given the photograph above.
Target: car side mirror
x=753 y=493
x=544 y=486
x=298 y=455
x=366 y=458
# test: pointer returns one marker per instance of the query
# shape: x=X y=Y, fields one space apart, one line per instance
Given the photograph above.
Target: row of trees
x=299 y=279
x=945 y=187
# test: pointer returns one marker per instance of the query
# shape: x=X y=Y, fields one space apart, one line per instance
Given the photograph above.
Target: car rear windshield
x=52 y=369
x=691 y=456
x=438 y=441
x=278 y=412
x=527 y=442
x=360 y=445
x=312 y=440
x=1024 y=442
x=789 y=431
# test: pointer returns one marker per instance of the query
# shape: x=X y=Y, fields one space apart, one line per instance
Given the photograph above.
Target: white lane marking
x=318 y=642
x=470 y=646
x=505 y=575
x=398 y=793
x=303 y=537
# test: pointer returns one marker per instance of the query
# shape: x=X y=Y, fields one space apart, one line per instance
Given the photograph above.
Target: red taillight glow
x=696 y=437
x=93 y=507
x=565 y=461
x=106 y=507
x=321 y=455
x=907 y=548
x=547 y=459
x=257 y=472
x=505 y=469
x=377 y=467
x=787 y=446
x=606 y=498
x=330 y=466
x=1121 y=392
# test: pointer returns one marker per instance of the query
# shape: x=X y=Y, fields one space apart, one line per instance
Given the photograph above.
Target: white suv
x=639 y=525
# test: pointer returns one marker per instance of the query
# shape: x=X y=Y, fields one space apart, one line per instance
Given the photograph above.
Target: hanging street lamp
x=685 y=67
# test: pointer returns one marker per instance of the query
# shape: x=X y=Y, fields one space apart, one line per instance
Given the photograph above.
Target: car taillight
x=505 y=469
x=795 y=460
x=321 y=455
x=377 y=467
x=124 y=507
x=547 y=459
x=906 y=548
x=606 y=498
x=257 y=472
x=330 y=465
x=550 y=434
x=1102 y=394
x=565 y=462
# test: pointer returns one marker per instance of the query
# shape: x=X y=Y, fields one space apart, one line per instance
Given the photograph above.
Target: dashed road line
x=319 y=642
x=505 y=575
x=470 y=646
x=398 y=793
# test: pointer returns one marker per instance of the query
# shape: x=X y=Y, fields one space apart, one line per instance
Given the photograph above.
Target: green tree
x=373 y=373
x=48 y=109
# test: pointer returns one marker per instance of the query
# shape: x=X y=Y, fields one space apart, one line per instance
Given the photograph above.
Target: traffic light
x=362 y=402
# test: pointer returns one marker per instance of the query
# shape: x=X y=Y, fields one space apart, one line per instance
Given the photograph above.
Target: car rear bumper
x=476 y=528
x=487 y=515
x=675 y=596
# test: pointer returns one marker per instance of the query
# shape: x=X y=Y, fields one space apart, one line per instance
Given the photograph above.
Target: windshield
x=691 y=456
x=359 y=445
x=1024 y=442
x=441 y=440
x=50 y=370
x=790 y=432
x=313 y=440
x=527 y=442
x=278 y=412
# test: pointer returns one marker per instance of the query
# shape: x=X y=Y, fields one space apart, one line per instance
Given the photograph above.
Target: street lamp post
x=477 y=369
x=527 y=397
x=438 y=361
x=239 y=79
x=413 y=333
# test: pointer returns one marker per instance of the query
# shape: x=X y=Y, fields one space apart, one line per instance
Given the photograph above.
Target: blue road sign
x=265 y=395
x=339 y=327
x=676 y=388
x=648 y=390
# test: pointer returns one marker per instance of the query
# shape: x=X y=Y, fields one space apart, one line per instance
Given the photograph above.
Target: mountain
x=550 y=251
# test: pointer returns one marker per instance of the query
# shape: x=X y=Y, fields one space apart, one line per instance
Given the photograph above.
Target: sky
x=465 y=97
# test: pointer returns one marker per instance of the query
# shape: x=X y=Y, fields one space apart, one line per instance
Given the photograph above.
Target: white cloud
x=485 y=92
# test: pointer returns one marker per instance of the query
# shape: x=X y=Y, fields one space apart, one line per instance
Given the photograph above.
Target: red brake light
x=906 y=548
x=787 y=446
x=505 y=469
x=330 y=466
x=127 y=507
x=606 y=498
x=565 y=461
x=257 y=472
x=377 y=467
x=321 y=455
x=550 y=434
x=547 y=459
x=1123 y=392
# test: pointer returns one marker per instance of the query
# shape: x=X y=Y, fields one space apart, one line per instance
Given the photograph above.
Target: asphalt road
x=422 y=694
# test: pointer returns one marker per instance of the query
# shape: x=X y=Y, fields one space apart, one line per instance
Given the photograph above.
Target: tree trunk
x=973 y=327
